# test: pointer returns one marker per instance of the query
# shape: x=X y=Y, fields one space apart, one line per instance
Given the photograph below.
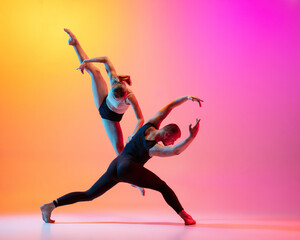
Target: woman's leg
x=99 y=86
x=104 y=183
x=115 y=135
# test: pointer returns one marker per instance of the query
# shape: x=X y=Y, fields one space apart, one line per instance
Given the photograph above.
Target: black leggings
x=123 y=169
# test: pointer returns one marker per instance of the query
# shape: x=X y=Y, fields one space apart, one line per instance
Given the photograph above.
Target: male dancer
x=129 y=165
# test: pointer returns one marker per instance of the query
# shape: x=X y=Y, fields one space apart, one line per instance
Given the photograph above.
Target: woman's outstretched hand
x=82 y=67
x=192 y=98
x=194 y=130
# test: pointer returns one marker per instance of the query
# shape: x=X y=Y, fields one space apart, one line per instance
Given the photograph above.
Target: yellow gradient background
x=240 y=59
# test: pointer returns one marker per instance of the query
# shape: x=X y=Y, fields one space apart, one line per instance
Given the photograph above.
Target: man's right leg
x=136 y=174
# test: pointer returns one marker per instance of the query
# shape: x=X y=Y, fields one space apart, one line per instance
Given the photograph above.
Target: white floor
x=113 y=225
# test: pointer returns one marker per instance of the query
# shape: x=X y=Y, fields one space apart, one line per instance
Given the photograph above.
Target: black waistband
x=106 y=113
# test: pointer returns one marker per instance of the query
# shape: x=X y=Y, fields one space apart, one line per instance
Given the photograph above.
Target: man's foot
x=140 y=188
x=72 y=39
x=188 y=220
x=46 y=212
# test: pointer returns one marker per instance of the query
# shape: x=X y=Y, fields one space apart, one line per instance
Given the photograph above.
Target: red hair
x=125 y=78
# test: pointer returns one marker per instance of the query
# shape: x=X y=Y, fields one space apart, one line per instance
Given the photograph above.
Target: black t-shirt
x=138 y=147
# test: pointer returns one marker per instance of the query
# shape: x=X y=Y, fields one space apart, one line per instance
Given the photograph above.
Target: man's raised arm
x=164 y=112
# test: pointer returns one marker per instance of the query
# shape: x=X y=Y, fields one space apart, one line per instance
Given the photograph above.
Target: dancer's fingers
x=199 y=104
x=199 y=101
x=190 y=127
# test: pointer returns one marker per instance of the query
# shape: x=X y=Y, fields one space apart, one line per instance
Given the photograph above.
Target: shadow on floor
x=203 y=225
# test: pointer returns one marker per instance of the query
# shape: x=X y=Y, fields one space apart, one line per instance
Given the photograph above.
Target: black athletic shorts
x=106 y=113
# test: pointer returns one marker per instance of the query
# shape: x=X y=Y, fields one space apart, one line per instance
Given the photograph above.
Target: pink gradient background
x=241 y=57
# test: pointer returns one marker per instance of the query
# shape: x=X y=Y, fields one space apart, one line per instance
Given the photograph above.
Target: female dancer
x=129 y=165
x=111 y=104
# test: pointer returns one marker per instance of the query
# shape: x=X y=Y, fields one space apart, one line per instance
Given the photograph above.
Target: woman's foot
x=140 y=188
x=72 y=39
x=46 y=212
x=188 y=220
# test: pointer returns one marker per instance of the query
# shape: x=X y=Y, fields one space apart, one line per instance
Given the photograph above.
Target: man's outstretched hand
x=192 y=98
x=194 y=130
